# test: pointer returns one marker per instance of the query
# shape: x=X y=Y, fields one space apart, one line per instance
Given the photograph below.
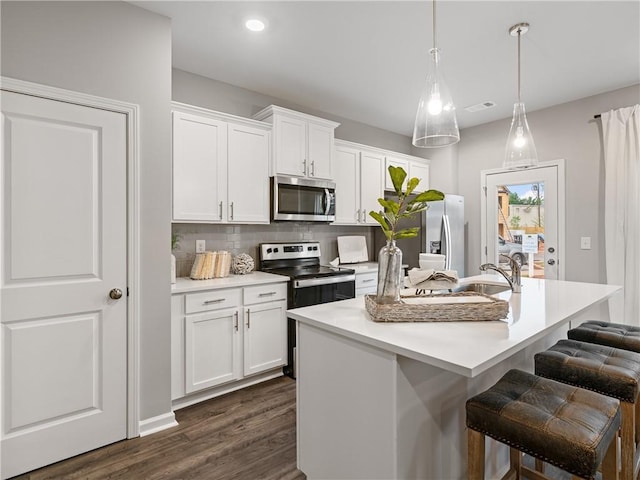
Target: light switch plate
x=200 y=246
x=585 y=243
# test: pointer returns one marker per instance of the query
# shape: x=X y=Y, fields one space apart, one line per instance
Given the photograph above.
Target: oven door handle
x=313 y=282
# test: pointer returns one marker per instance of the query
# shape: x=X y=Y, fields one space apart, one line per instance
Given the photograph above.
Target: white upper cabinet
x=414 y=166
x=199 y=167
x=220 y=167
x=359 y=183
x=302 y=144
x=248 y=174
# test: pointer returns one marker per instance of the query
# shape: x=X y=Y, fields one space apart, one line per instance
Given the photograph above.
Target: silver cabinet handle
x=248 y=318
x=358 y=215
x=220 y=210
x=313 y=168
x=217 y=300
x=304 y=166
x=364 y=216
x=369 y=280
x=231 y=207
x=551 y=261
x=266 y=294
x=235 y=323
x=115 y=293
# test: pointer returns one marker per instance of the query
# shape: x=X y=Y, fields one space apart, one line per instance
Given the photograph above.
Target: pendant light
x=436 y=124
x=521 y=151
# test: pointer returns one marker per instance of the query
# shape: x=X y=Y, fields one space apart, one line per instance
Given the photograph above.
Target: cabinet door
x=248 y=174
x=347 y=168
x=319 y=151
x=265 y=337
x=420 y=170
x=396 y=162
x=212 y=349
x=371 y=184
x=290 y=137
x=199 y=168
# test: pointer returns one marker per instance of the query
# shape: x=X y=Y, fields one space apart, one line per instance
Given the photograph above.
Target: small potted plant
x=406 y=205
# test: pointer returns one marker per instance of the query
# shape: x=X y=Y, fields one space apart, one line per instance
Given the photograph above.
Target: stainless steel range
x=310 y=283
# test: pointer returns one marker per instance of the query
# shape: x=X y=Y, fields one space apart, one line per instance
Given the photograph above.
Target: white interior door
x=63 y=249
x=506 y=225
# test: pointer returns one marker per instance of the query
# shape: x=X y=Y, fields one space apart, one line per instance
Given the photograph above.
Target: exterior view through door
x=63 y=280
x=523 y=219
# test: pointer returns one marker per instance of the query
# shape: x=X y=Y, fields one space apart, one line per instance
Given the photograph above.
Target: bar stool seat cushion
x=565 y=426
x=615 y=335
x=607 y=370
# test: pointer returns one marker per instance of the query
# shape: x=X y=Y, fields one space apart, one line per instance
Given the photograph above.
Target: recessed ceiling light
x=480 y=106
x=254 y=25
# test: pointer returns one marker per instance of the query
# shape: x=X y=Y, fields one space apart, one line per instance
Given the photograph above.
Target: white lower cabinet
x=264 y=337
x=366 y=283
x=212 y=349
x=222 y=336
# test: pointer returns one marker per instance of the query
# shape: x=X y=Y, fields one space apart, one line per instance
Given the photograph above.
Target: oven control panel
x=282 y=251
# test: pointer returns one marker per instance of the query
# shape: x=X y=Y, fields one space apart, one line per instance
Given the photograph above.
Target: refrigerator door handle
x=447 y=241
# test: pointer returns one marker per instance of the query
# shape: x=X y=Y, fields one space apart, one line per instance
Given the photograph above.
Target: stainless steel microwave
x=302 y=199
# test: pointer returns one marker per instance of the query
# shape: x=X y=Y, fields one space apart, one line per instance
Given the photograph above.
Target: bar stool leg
x=475 y=454
x=539 y=465
x=610 y=461
x=627 y=439
x=515 y=462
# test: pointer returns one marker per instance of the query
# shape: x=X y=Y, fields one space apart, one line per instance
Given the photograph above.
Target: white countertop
x=185 y=284
x=362 y=267
x=465 y=348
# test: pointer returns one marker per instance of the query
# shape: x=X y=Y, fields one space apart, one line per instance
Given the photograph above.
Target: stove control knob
x=269 y=250
x=275 y=250
x=315 y=248
x=309 y=248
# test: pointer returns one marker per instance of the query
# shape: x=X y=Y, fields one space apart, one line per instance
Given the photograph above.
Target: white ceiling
x=367 y=60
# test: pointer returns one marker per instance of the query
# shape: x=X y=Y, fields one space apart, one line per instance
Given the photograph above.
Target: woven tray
x=493 y=309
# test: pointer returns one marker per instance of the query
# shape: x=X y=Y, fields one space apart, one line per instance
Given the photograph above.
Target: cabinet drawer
x=265 y=293
x=366 y=280
x=212 y=300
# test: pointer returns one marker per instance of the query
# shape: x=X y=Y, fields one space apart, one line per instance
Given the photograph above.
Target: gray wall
x=223 y=97
x=118 y=51
x=566 y=131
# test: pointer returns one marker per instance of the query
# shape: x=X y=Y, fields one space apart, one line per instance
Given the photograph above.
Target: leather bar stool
x=610 y=371
x=604 y=333
x=569 y=427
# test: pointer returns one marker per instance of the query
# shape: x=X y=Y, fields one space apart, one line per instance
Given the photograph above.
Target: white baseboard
x=210 y=393
x=157 y=424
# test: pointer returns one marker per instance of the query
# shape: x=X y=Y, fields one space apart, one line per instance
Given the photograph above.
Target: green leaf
x=397 y=177
x=411 y=185
x=407 y=233
x=428 y=196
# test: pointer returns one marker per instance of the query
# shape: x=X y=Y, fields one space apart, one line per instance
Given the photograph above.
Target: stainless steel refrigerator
x=441 y=231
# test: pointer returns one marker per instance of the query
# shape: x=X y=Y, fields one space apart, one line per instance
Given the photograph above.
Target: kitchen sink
x=486 y=288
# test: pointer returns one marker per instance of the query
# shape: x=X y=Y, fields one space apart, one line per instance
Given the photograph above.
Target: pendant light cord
x=519 y=33
x=434 y=24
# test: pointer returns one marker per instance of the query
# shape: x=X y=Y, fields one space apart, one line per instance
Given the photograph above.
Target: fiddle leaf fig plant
x=406 y=205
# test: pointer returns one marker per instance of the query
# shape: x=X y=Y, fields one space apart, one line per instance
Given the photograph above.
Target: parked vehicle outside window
x=512 y=250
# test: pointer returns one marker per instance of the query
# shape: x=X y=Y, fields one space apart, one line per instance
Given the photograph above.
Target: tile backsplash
x=246 y=238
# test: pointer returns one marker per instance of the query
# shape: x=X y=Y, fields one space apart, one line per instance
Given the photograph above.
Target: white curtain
x=621 y=139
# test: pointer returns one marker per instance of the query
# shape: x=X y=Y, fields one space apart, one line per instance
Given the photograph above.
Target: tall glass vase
x=389 y=273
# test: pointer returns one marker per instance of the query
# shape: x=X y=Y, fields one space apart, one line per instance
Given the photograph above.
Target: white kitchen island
x=387 y=400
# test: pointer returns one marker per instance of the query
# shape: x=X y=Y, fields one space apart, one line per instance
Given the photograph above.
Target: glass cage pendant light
x=521 y=150
x=436 y=124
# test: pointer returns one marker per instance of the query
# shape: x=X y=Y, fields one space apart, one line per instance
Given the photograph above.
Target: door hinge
x=486 y=252
x=485 y=190
x=127 y=291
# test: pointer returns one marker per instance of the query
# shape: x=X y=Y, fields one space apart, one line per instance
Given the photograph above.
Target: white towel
x=430 y=279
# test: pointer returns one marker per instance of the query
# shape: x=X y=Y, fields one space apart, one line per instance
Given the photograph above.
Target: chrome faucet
x=513 y=279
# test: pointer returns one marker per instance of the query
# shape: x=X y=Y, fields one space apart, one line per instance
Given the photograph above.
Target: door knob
x=115 y=293
x=551 y=261
x=551 y=249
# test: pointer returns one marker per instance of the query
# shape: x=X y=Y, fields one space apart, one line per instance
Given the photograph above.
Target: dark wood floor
x=249 y=434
